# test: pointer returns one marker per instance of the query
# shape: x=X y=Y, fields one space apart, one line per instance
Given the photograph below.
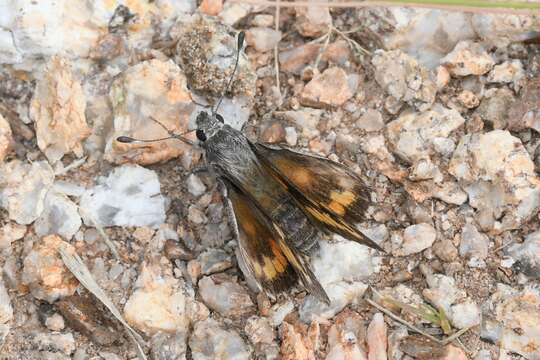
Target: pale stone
x=468 y=58
x=6 y=138
x=331 y=88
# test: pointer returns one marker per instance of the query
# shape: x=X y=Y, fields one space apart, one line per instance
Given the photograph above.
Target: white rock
x=44 y=271
x=158 y=302
x=508 y=72
x=225 y=296
x=465 y=314
x=291 y=137
x=306 y=119
x=58 y=110
x=500 y=30
x=498 y=174
x=404 y=79
x=345 y=337
x=417 y=238
x=210 y=341
x=259 y=330
x=9 y=233
x=23 y=188
x=149 y=90
x=473 y=245
x=195 y=186
x=511 y=310
x=64 y=343
x=55 y=322
x=313 y=21
x=412 y=134
x=527 y=255
x=6 y=310
x=340 y=267
x=427 y=34
x=262 y=38
x=59 y=216
x=129 y=196
x=468 y=58
x=279 y=311
x=6 y=136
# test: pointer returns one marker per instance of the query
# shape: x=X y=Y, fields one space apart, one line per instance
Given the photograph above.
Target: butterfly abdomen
x=299 y=230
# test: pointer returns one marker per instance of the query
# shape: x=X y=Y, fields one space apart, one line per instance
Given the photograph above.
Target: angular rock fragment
x=225 y=296
x=23 y=188
x=497 y=173
x=44 y=271
x=404 y=79
x=6 y=312
x=474 y=245
x=495 y=107
x=313 y=21
x=468 y=58
x=416 y=238
x=294 y=60
x=169 y=346
x=58 y=110
x=60 y=216
x=346 y=337
x=149 y=90
x=211 y=341
x=331 y=88
x=262 y=38
x=414 y=135
x=158 y=302
x=129 y=196
x=6 y=138
x=296 y=343
x=527 y=255
x=377 y=338
x=509 y=72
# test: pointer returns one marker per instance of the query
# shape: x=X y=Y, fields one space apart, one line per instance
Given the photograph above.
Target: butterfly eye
x=200 y=135
x=220 y=118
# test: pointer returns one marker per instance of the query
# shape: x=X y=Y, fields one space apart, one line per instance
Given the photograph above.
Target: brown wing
x=274 y=264
x=328 y=192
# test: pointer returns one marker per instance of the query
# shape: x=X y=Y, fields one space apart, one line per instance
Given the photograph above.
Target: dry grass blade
x=77 y=267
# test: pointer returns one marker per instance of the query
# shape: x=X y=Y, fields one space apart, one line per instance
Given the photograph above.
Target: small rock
x=468 y=58
x=339 y=266
x=58 y=110
x=412 y=134
x=468 y=99
x=313 y=21
x=371 y=120
x=331 y=88
x=527 y=255
x=6 y=310
x=404 y=79
x=82 y=314
x=417 y=238
x=213 y=261
x=424 y=169
x=211 y=7
x=264 y=20
x=445 y=250
x=444 y=146
x=23 y=188
x=259 y=330
x=291 y=137
x=509 y=72
x=55 y=322
x=306 y=119
x=157 y=304
x=44 y=271
x=149 y=90
x=129 y=196
x=9 y=233
x=169 y=346
x=279 y=311
x=394 y=341
x=294 y=60
x=495 y=106
x=195 y=186
x=209 y=60
x=64 y=343
x=6 y=138
x=225 y=296
x=295 y=343
x=338 y=53
x=511 y=310
x=60 y=216
x=346 y=337
x=175 y=250
x=473 y=245
x=483 y=355
x=377 y=338
x=275 y=133
x=263 y=38
x=465 y=314
x=210 y=341
x=497 y=173
x=442 y=77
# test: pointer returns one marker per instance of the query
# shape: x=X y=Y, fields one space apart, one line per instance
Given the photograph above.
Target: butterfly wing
x=327 y=191
x=264 y=250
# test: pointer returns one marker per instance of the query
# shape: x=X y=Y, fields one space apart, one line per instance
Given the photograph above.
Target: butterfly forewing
x=329 y=193
x=271 y=261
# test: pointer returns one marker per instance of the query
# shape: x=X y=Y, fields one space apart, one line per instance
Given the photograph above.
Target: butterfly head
x=208 y=125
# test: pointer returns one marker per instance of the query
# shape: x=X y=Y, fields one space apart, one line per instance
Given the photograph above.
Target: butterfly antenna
x=240 y=44
x=128 y=139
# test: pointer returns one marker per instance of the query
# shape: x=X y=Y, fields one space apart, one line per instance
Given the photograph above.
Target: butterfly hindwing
x=328 y=192
x=271 y=261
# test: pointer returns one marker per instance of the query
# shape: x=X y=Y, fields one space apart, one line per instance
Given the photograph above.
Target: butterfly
x=279 y=201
